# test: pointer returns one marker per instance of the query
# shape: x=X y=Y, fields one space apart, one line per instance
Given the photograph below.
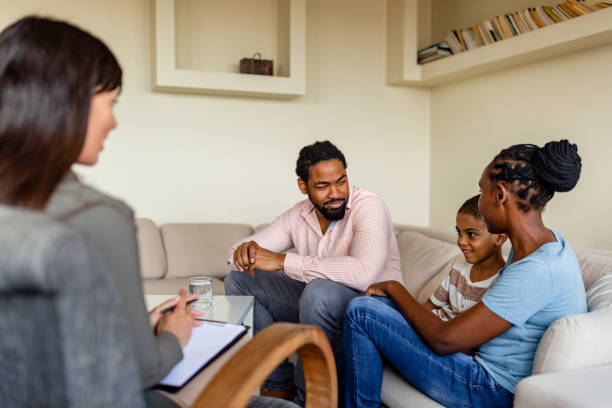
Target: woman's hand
x=156 y=313
x=179 y=321
x=380 y=288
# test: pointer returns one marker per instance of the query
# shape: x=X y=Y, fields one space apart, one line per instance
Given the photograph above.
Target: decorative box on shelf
x=256 y=65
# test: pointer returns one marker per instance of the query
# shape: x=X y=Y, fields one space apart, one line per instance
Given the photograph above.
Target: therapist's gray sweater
x=108 y=224
x=63 y=338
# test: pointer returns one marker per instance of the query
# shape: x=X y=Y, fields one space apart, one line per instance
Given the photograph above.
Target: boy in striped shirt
x=472 y=273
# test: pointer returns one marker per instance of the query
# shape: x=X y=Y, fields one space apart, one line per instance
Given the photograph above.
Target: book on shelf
x=536 y=17
x=434 y=52
x=521 y=23
x=485 y=34
x=491 y=29
x=553 y=16
x=569 y=9
x=461 y=39
x=561 y=13
x=507 y=26
x=478 y=35
x=512 y=24
x=527 y=16
x=451 y=40
x=468 y=40
x=581 y=7
x=503 y=21
x=544 y=17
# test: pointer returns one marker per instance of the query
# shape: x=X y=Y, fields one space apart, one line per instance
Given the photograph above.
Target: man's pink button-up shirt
x=360 y=249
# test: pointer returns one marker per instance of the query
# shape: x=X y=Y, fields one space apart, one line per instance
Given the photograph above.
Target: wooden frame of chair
x=234 y=384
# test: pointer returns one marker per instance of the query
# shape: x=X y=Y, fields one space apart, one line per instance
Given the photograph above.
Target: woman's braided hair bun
x=536 y=173
x=558 y=165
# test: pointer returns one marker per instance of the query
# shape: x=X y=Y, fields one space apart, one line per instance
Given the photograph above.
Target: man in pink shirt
x=344 y=241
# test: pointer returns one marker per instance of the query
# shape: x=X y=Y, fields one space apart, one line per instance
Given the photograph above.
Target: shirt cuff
x=294 y=266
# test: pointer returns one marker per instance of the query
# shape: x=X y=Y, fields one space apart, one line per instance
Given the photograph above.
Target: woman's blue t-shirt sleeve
x=523 y=289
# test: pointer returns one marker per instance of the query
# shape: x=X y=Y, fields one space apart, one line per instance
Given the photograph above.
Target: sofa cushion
x=449 y=236
x=599 y=295
x=200 y=249
x=152 y=256
x=578 y=341
x=589 y=387
x=434 y=282
x=575 y=341
x=397 y=393
x=422 y=258
x=594 y=265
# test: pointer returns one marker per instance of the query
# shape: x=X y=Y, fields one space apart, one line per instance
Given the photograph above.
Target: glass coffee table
x=230 y=309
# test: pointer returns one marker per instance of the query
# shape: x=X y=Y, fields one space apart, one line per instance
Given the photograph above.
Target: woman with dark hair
x=540 y=283
x=58 y=85
x=45 y=103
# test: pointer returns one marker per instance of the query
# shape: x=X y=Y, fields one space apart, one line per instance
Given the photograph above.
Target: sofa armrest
x=249 y=367
x=574 y=342
x=587 y=387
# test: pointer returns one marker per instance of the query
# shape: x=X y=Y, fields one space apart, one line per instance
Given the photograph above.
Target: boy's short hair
x=471 y=207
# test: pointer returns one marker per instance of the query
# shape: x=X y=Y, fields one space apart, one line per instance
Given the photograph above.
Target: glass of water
x=204 y=286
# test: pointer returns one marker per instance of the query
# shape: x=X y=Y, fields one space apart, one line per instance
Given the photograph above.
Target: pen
x=172 y=307
x=215 y=322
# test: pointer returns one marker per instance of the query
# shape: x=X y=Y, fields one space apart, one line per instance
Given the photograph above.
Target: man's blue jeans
x=278 y=298
x=375 y=332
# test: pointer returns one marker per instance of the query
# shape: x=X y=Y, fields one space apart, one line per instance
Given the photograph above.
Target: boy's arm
x=439 y=298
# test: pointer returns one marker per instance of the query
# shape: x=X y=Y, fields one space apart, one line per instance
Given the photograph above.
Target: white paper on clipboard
x=206 y=342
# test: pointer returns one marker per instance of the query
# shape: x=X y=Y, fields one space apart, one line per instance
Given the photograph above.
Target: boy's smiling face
x=474 y=240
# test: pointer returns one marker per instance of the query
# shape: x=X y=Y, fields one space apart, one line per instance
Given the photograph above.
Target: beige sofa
x=573 y=357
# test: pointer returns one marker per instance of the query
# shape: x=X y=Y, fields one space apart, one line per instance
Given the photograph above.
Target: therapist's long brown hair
x=49 y=71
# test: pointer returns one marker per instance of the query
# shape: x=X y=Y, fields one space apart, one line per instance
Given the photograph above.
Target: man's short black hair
x=471 y=207
x=315 y=153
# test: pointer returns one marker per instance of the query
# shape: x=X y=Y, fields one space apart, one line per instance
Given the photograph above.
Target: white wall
x=567 y=97
x=209 y=158
x=212 y=36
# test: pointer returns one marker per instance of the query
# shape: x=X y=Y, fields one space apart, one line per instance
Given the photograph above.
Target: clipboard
x=206 y=344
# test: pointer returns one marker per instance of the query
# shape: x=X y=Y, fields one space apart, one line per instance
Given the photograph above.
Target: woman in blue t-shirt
x=540 y=283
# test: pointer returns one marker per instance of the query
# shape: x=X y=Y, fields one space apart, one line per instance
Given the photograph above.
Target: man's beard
x=331 y=214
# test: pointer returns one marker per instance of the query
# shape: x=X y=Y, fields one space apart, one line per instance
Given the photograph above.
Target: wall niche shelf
x=166 y=77
x=409 y=20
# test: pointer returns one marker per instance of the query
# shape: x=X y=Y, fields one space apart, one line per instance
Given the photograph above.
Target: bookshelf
x=167 y=77
x=408 y=28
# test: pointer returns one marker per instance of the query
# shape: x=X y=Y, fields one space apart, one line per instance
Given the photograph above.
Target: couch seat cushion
x=588 y=387
x=397 y=393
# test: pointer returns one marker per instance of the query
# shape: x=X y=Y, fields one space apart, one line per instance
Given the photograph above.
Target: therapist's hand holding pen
x=168 y=306
x=180 y=320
